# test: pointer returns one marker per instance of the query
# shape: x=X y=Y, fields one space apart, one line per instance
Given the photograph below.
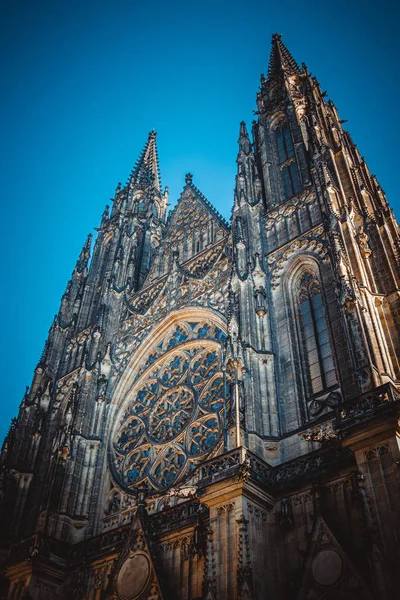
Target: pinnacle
x=84 y=254
x=146 y=170
x=280 y=58
x=244 y=140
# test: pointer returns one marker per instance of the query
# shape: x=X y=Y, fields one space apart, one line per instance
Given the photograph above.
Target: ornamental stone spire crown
x=146 y=171
x=280 y=58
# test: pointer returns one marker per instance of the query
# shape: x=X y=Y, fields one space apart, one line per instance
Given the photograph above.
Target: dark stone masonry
x=215 y=412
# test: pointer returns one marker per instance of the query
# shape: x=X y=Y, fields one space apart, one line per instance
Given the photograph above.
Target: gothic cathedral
x=214 y=415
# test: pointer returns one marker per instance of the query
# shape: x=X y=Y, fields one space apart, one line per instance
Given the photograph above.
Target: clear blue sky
x=83 y=83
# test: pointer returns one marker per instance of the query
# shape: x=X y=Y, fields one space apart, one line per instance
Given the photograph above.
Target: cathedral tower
x=214 y=413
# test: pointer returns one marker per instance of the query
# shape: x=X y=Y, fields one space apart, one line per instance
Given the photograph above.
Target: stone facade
x=215 y=411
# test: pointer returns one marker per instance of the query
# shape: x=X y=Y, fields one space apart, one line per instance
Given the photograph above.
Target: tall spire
x=280 y=58
x=244 y=141
x=146 y=170
x=84 y=255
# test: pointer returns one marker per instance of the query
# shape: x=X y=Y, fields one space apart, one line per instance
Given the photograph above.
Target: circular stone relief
x=133 y=576
x=327 y=567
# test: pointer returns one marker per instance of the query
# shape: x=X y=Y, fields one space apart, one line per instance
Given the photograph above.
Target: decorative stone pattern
x=215 y=413
x=172 y=418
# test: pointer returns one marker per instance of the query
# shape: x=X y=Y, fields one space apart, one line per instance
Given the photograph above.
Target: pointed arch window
x=290 y=179
x=287 y=162
x=285 y=144
x=315 y=334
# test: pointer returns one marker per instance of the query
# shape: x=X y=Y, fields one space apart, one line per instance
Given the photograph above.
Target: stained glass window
x=289 y=173
x=315 y=334
x=172 y=417
x=285 y=144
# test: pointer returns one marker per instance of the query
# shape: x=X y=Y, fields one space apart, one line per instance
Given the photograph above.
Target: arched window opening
x=315 y=334
x=285 y=144
x=287 y=162
x=290 y=179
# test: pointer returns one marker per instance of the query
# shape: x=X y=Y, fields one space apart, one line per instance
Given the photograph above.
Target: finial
x=188 y=178
x=277 y=36
x=152 y=133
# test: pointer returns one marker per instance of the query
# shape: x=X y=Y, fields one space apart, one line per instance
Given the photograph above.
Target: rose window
x=172 y=415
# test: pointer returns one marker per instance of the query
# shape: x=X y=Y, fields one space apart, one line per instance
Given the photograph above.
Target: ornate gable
x=135 y=574
x=192 y=226
x=328 y=571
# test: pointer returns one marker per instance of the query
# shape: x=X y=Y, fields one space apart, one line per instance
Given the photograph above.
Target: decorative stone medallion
x=327 y=567
x=134 y=576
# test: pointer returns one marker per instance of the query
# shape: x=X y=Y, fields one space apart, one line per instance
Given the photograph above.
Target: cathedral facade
x=215 y=412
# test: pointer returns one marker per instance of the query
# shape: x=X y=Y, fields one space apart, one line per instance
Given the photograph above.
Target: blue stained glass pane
x=316 y=300
x=219 y=334
x=281 y=147
x=288 y=142
x=295 y=178
x=319 y=312
x=307 y=319
x=287 y=184
x=203 y=331
x=330 y=378
x=323 y=337
x=325 y=350
x=328 y=364
x=321 y=325
x=309 y=331
x=305 y=306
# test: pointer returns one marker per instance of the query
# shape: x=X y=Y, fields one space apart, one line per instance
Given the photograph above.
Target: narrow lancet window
x=285 y=144
x=287 y=162
x=315 y=334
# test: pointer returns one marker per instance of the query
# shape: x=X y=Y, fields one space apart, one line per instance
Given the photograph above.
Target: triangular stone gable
x=134 y=574
x=328 y=572
x=193 y=225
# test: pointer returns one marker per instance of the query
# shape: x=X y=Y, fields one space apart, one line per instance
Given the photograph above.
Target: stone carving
x=366 y=405
x=288 y=208
x=134 y=576
x=314 y=243
x=285 y=514
x=322 y=434
x=256 y=512
x=363 y=242
x=163 y=404
x=331 y=400
x=244 y=570
x=209 y=579
x=226 y=508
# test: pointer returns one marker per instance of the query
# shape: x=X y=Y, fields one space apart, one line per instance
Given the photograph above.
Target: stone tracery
x=172 y=416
